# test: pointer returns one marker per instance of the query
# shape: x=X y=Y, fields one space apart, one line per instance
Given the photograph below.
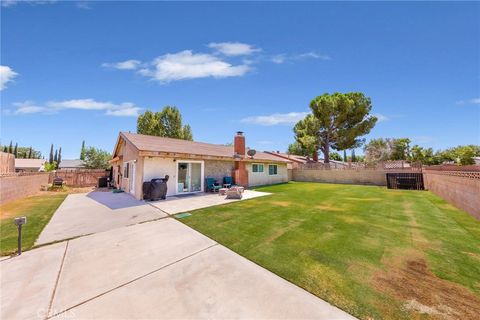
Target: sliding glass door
x=189 y=177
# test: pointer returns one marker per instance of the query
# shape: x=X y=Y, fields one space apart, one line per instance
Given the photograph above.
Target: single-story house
x=29 y=165
x=71 y=164
x=139 y=158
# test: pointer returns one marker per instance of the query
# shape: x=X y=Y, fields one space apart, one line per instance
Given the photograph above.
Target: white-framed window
x=257 y=167
x=126 y=169
x=272 y=169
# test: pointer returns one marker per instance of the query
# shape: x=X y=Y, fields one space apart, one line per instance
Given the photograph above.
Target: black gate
x=405 y=180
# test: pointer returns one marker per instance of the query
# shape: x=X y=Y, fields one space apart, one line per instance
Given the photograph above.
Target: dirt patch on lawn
x=422 y=292
x=328 y=207
x=281 y=203
x=281 y=231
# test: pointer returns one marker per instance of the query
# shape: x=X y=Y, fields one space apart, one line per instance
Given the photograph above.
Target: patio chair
x=212 y=185
x=227 y=182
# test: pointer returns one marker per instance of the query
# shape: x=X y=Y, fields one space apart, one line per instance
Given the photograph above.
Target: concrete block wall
x=366 y=177
x=218 y=169
x=13 y=187
x=461 y=190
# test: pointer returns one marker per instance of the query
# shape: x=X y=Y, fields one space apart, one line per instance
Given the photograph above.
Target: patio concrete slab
x=213 y=284
x=27 y=282
x=101 y=262
x=87 y=213
x=177 y=204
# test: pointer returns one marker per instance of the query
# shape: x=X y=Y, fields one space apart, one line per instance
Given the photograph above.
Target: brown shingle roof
x=161 y=144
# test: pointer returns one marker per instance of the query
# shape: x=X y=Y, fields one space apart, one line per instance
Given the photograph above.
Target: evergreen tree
x=345 y=156
x=15 y=151
x=30 y=153
x=82 y=151
x=5 y=149
x=337 y=121
x=55 y=157
x=10 y=147
x=354 y=159
x=59 y=156
x=50 y=157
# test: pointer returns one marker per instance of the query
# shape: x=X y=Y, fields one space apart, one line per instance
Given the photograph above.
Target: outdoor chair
x=212 y=185
x=227 y=182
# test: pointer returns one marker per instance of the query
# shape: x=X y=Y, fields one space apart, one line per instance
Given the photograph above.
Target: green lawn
x=37 y=209
x=373 y=252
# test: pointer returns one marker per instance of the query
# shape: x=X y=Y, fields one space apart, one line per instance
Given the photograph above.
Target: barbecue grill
x=155 y=189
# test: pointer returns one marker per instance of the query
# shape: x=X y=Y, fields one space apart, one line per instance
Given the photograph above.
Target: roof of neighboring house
x=29 y=163
x=71 y=163
x=302 y=159
x=170 y=145
x=291 y=157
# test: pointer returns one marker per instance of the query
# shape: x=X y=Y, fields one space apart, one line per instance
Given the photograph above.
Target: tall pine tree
x=82 y=151
x=354 y=159
x=10 y=147
x=55 y=157
x=30 y=153
x=59 y=158
x=50 y=157
x=345 y=156
x=15 y=151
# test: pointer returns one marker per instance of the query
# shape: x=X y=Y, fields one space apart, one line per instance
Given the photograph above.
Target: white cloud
x=233 y=48
x=6 y=75
x=279 y=58
x=313 y=55
x=9 y=3
x=124 y=65
x=282 y=58
x=83 y=5
x=381 y=117
x=470 y=101
x=188 y=65
x=27 y=107
x=276 y=118
x=111 y=109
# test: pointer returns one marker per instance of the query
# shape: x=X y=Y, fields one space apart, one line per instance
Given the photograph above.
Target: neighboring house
x=302 y=160
x=29 y=165
x=477 y=160
x=71 y=164
x=138 y=158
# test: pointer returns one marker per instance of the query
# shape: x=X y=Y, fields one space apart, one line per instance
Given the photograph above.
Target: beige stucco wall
x=157 y=167
x=218 y=169
x=368 y=177
x=263 y=178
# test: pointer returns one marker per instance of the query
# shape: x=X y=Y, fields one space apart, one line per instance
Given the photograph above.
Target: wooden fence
x=81 y=177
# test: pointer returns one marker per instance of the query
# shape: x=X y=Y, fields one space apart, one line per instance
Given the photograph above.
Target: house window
x=257 y=167
x=272 y=169
x=126 y=169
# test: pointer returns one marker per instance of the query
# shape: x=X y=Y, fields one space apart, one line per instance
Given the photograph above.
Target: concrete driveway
x=87 y=213
x=160 y=269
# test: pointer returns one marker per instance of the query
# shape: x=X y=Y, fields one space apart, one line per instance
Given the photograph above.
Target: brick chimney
x=239 y=144
x=240 y=173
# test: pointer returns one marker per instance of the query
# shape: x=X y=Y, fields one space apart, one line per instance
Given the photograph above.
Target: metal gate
x=404 y=180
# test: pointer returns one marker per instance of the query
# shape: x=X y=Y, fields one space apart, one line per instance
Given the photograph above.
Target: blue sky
x=74 y=71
